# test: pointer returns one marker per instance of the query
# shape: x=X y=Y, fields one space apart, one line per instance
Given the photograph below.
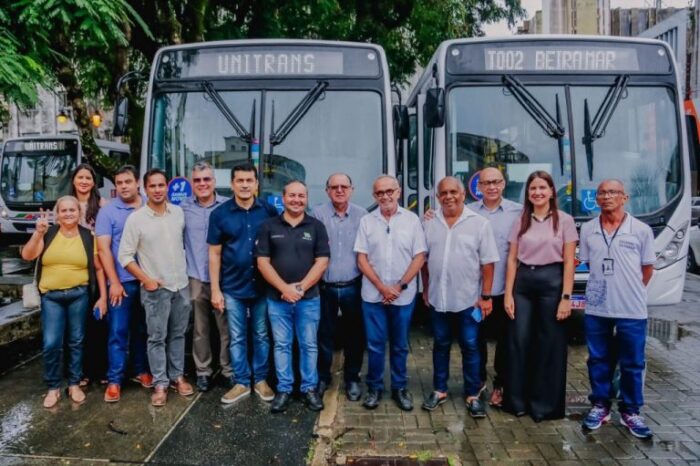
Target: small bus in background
x=35 y=171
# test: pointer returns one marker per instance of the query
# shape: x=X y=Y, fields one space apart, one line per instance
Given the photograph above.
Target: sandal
x=51 y=398
x=76 y=394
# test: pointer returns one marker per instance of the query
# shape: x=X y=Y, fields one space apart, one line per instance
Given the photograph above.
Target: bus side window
x=691 y=125
x=412 y=152
x=428 y=150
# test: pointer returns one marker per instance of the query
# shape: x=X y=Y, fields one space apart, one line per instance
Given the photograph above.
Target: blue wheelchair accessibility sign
x=588 y=200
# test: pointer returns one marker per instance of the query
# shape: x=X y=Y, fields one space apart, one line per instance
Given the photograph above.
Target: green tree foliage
x=86 y=45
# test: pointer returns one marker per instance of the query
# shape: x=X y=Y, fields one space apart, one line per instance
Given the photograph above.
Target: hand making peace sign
x=42 y=223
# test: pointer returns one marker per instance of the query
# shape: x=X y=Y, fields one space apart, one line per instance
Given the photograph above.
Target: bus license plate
x=578 y=302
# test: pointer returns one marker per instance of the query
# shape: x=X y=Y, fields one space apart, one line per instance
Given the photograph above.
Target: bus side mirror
x=121 y=116
x=400 y=115
x=434 y=108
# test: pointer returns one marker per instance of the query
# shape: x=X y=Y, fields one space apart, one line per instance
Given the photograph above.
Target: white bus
x=298 y=109
x=581 y=108
x=36 y=170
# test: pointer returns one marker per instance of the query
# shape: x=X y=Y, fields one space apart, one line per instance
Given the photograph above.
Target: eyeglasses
x=205 y=179
x=490 y=182
x=339 y=187
x=386 y=192
x=610 y=193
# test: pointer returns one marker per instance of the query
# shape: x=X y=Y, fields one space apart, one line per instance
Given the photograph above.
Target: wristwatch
x=566 y=297
x=404 y=286
x=299 y=289
x=486 y=297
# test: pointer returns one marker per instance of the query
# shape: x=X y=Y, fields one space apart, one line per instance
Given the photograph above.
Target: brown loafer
x=159 y=396
x=182 y=387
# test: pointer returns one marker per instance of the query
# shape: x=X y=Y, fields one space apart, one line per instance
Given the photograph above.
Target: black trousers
x=95 y=349
x=495 y=327
x=537 y=345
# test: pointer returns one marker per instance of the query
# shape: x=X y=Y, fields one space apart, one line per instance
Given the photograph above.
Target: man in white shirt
x=457 y=280
x=154 y=235
x=390 y=247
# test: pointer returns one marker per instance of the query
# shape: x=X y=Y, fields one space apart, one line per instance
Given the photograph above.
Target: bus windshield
x=639 y=143
x=36 y=177
x=342 y=131
x=508 y=138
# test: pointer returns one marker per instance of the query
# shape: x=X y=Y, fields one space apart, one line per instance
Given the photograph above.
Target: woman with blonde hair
x=71 y=282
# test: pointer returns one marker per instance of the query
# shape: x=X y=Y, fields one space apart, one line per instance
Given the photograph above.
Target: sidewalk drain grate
x=394 y=461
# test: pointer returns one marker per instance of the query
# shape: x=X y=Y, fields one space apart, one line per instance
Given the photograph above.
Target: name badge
x=608 y=266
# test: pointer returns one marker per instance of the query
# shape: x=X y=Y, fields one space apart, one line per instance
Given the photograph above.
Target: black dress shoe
x=476 y=408
x=280 y=403
x=353 y=391
x=403 y=399
x=434 y=400
x=203 y=383
x=372 y=399
x=322 y=387
x=313 y=400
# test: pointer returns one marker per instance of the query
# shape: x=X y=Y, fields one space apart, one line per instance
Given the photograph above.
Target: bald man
x=619 y=250
x=501 y=213
x=457 y=279
x=390 y=247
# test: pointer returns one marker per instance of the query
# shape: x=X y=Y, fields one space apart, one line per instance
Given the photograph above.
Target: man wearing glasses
x=197 y=210
x=340 y=287
x=501 y=213
x=390 y=247
x=619 y=250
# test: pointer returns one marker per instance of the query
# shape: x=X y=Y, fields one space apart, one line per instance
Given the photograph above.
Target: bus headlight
x=4 y=213
x=671 y=253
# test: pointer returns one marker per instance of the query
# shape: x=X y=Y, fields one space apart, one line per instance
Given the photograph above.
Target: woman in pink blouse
x=539 y=281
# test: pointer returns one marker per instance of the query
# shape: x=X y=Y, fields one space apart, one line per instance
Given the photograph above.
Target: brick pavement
x=673 y=412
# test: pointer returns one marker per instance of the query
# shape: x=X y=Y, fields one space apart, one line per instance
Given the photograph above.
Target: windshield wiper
x=277 y=136
x=238 y=127
x=595 y=129
x=533 y=107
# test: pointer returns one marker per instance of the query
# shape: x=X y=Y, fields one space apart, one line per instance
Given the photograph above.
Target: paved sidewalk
x=673 y=412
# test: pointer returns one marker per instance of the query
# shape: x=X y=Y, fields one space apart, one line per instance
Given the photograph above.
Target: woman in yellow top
x=70 y=280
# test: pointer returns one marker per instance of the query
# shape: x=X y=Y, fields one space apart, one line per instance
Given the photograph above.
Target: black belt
x=534 y=267
x=343 y=284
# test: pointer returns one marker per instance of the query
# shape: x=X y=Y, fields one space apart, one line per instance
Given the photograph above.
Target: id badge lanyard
x=608 y=261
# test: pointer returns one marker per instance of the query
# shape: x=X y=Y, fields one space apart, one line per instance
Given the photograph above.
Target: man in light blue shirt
x=502 y=214
x=340 y=287
x=197 y=210
x=619 y=250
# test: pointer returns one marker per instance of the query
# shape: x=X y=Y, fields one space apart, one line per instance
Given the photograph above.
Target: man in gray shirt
x=619 y=250
x=501 y=213
x=340 y=288
x=197 y=210
x=154 y=235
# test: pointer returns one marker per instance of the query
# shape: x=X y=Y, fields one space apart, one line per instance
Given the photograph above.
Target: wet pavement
x=200 y=430
x=672 y=396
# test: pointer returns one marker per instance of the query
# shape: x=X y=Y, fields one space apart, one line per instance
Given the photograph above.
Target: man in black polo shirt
x=292 y=253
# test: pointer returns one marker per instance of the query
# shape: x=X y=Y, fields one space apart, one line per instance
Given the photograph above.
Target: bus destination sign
x=254 y=62
x=551 y=57
x=37 y=146
x=560 y=59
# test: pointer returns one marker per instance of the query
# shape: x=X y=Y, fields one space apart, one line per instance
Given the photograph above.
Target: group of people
x=341 y=274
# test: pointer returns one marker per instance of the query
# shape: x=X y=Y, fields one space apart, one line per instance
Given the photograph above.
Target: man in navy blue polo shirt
x=236 y=287
x=292 y=252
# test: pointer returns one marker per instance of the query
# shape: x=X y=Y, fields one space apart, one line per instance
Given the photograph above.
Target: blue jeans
x=612 y=341
x=127 y=335
x=387 y=322
x=287 y=319
x=466 y=329
x=237 y=311
x=349 y=328
x=63 y=312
